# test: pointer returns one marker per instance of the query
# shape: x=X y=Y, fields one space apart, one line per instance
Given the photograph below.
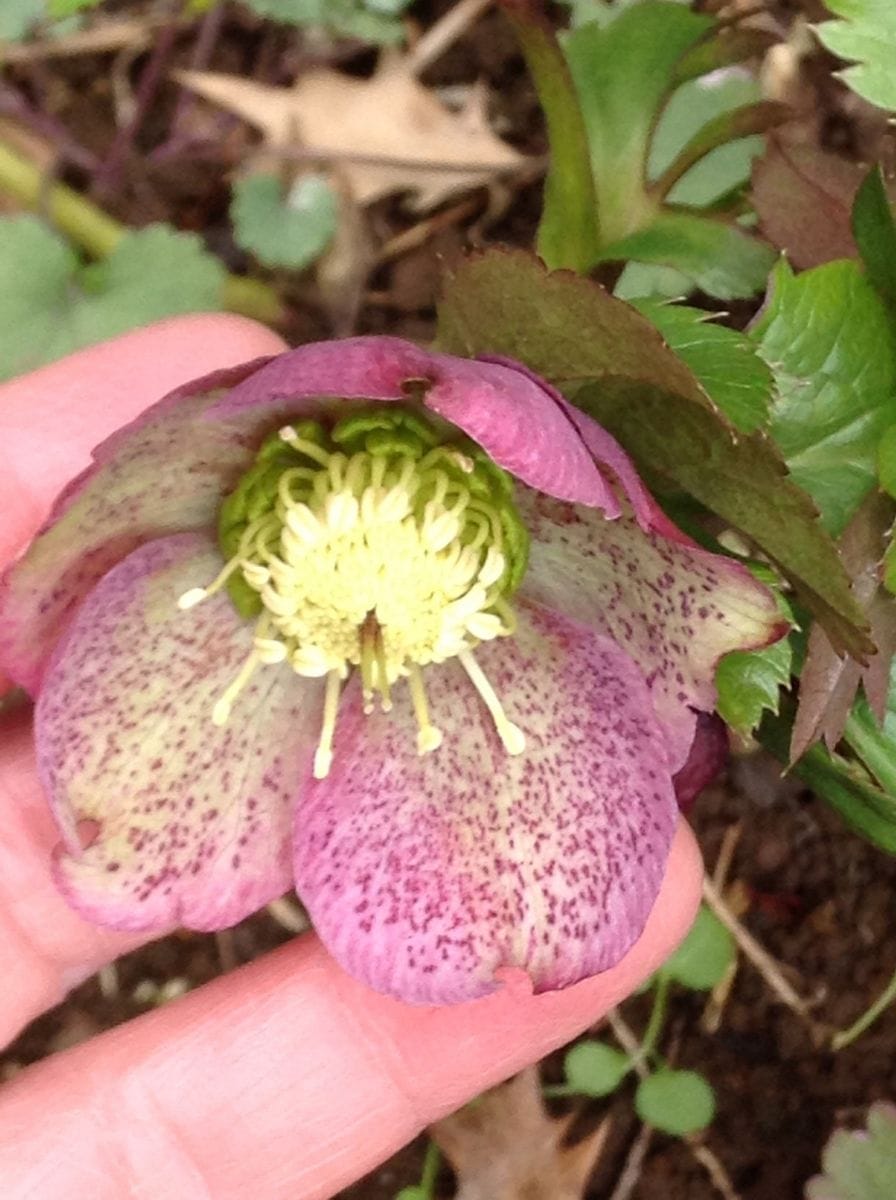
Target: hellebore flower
x=403 y=629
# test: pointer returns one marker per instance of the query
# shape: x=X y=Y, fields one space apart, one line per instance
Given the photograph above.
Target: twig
x=768 y=968
x=418 y=235
x=288 y=915
x=625 y=1036
x=845 y=1037
x=726 y=855
x=206 y=40
x=107 y=177
x=713 y=1167
x=634 y=1164
x=14 y=105
x=444 y=33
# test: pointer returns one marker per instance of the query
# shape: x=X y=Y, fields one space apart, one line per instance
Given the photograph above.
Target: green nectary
x=393 y=437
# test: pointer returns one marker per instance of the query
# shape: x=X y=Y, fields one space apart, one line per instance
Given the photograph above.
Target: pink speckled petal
x=676 y=608
x=707 y=757
x=192 y=822
x=159 y=475
x=425 y=876
x=507 y=410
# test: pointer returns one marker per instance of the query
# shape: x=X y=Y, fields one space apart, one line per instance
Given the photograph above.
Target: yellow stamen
x=197 y=594
x=511 y=735
x=428 y=737
x=323 y=755
x=221 y=711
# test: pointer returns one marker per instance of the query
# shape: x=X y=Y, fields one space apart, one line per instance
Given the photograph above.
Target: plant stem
x=847 y=1036
x=431 y=1163
x=94 y=231
x=657 y=1017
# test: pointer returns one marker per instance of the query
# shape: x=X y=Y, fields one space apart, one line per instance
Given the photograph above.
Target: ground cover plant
x=672 y=223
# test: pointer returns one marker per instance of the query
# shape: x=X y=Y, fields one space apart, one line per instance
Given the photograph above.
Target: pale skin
x=286 y=1078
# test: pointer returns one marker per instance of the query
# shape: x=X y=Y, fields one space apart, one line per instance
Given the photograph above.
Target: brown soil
x=821 y=900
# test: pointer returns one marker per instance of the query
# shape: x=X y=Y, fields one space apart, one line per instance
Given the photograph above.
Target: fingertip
x=51 y=419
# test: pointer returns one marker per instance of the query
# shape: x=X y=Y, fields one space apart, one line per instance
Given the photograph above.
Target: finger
x=49 y=421
x=287 y=1078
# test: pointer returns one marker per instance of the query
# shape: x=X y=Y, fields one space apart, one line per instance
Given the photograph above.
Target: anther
x=323 y=755
x=429 y=738
x=196 y=595
x=511 y=735
x=223 y=707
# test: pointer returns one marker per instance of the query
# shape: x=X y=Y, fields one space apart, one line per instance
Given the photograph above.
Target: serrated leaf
x=749 y=684
x=572 y=332
x=875 y=233
x=50 y=306
x=725 y=362
x=721 y=259
x=289 y=230
x=859 y=1165
x=828 y=682
x=866 y=36
x=705 y=954
x=827 y=338
x=676 y=1102
x=595 y=1069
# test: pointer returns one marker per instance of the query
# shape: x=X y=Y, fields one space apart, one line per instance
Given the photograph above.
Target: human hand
x=285 y=1078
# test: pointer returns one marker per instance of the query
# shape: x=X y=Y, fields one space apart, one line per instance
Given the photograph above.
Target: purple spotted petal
x=707 y=757
x=676 y=608
x=424 y=876
x=156 y=476
x=509 y=412
x=192 y=822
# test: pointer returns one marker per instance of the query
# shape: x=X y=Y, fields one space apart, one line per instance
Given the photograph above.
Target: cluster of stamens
x=372 y=547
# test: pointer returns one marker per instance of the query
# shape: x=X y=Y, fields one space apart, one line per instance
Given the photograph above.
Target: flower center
x=377 y=546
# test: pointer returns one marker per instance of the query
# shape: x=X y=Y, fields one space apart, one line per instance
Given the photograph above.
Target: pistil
x=371 y=546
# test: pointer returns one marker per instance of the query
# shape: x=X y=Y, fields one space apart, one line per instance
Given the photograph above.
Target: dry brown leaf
x=388 y=133
x=504 y=1146
x=828 y=683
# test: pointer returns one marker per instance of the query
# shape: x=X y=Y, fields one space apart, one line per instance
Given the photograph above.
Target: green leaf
x=414 y=1192
x=705 y=954
x=289 y=230
x=595 y=1069
x=866 y=36
x=622 y=74
x=18 y=18
x=725 y=362
x=721 y=259
x=827 y=338
x=886 y=461
x=568 y=229
x=573 y=333
x=676 y=1102
x=371 y=22
x=874 y=230
x=60 y=9
x=845 y=786
x=860 y=1165
x=749 y=683
x=50 y=306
